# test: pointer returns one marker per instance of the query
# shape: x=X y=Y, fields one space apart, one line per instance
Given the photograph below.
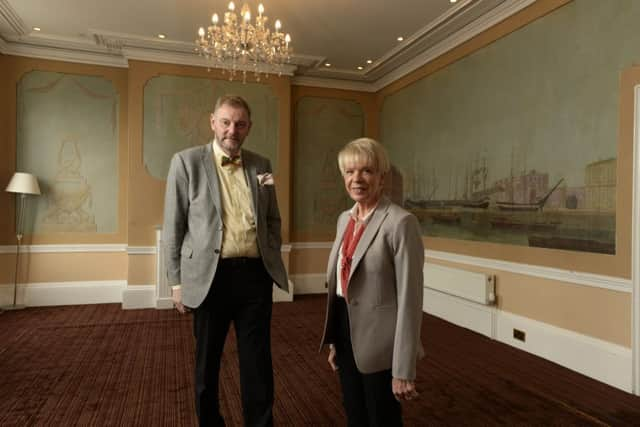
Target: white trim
x=45 y=249
x=309 y=283
x=142 y=250
x=617 y=284
x=587 y=279
x=286 y=248
x=601 y=360
x=481 y=24
x=12 y=18
x=598 y=359
x=116 y=49
x=328 y=83
x=139 y=296
x=635 y=245
x=459 y=311
x=64 y=293
x=311 y=245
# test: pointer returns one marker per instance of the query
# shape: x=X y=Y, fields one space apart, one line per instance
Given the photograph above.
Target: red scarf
x=349 y=244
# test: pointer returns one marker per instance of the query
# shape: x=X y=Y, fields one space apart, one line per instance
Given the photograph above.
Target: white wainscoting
x=594 y=358
x=64 y=293
x=589 y=356
x=309 y=283
x=459 y=311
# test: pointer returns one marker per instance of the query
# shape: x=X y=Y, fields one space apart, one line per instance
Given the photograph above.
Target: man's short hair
x=235 y=101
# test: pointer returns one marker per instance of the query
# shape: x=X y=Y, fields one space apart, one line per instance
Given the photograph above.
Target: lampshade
x=23 y=183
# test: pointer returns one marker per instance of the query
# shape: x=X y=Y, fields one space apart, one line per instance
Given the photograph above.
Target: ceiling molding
x=12 y=18
x=458 y=24
x=483 y=23
x=67 y=54
x=332 y=83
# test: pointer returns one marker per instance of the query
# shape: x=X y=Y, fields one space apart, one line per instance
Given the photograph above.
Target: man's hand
x=404 y=389
x=176 y=296
x=332 y=357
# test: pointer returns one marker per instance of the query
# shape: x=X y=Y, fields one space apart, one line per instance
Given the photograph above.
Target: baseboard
x=64 y=293
x=600 y=360
x=139 y=296
x=459 y=311
x=310 y=283
x=594 y=358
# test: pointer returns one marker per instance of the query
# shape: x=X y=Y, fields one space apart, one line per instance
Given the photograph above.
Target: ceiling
x=344 y=33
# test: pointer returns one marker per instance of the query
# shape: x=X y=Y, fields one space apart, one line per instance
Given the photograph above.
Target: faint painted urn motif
x=69 y=194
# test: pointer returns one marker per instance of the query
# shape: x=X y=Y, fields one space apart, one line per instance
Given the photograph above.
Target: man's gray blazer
x=192 y=230
x=385 y=292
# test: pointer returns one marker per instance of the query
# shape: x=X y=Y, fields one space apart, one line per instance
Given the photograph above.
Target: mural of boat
x=509 y=222
x=527 y=207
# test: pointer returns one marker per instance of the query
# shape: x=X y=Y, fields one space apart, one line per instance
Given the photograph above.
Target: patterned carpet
x=98 y=365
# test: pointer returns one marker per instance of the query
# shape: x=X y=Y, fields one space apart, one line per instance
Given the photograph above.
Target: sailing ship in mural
x=524 y=207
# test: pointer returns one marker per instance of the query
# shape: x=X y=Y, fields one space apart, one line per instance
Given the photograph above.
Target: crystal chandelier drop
x=237 y=44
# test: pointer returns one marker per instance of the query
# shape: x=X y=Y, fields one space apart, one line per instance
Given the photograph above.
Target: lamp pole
x=21 y=184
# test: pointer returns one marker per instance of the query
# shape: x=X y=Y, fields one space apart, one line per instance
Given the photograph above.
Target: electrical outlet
x=519 y=335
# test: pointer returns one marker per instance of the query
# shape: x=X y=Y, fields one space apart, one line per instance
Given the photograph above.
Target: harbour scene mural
x=526 y=207
x=481 y=155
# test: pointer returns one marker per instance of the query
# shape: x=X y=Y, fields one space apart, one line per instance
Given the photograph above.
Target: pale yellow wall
x=142 y=270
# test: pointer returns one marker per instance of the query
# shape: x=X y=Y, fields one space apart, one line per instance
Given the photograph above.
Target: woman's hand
x=332 y=357
x=404 y=389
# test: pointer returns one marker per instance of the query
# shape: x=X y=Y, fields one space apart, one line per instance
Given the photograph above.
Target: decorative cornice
x=482 y=23
x=12 y=18
x=115 y=49
x=332 y=83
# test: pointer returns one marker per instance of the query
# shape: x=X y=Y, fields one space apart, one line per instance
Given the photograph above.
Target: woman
x=374 y=304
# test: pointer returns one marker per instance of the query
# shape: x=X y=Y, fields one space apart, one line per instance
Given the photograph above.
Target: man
x=222 y=239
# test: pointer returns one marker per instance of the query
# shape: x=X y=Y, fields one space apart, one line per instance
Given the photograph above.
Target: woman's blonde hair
x=364 y=151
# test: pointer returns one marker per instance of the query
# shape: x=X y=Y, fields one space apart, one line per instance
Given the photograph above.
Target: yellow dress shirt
x=239 y=237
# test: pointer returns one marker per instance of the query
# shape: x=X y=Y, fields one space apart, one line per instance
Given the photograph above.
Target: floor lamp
x=22 y=184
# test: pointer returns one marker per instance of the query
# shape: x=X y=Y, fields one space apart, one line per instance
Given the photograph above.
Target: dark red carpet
x=98 y=365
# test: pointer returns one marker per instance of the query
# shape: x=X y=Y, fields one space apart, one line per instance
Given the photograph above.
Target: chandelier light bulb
x=287 y=39
x=247 y=16
x=232 y=6
x=214 y=19
x=201 y=32
x=278 y=25
x=260 y=9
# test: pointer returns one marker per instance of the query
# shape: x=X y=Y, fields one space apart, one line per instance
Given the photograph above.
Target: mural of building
x=600 y=185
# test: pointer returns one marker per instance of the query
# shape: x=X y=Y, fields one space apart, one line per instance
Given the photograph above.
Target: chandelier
x=237 y=44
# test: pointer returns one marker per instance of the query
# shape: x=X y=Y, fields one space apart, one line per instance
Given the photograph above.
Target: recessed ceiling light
x=452 y=1
x=327 y=64
x=369 y=61
x=360 y=67
x=37 y=29
x=162 y=36
x=400 y=38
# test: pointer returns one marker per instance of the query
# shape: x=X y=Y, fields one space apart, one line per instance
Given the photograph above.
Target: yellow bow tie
x=233 y=160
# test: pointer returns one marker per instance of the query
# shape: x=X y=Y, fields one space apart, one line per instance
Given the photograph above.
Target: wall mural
x=176 y=116
x=517 y=142
x=68 y=137
x=323 y=127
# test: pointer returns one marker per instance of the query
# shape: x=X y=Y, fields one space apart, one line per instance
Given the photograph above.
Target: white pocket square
x=265 y=179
